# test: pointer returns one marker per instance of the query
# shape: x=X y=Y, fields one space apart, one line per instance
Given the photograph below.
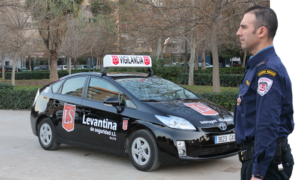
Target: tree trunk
x=191 y=63
x=203 y=66
x=159 y=49
x=244 y=59
x=49 y=63
x=101 y=61
x=3 y=64
x=13 y=68
x=214 y=49
x=97 y=63
x=17 y=69
x=69 y=59
x=29 y=59
x=76 y=63
x=53 y=66
x=196 y=60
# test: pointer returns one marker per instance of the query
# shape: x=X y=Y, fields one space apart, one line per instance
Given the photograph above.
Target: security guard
x=264 y=111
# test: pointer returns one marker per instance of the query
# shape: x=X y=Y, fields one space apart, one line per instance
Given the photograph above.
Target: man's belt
x=247 y=151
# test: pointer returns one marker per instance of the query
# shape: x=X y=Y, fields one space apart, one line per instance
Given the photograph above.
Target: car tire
x=143 y=151
x=46 y=135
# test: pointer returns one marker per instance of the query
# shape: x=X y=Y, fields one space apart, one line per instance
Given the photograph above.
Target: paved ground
x=21 y=157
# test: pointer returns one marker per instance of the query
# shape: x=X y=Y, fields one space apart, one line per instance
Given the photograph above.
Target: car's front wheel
x=46 y=134
x=143 y=151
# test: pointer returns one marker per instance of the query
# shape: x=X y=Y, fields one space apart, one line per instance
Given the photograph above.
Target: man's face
x=248 y=40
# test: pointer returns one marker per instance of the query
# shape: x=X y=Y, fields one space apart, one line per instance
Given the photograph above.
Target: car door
x=68 y=108
x=102 y=125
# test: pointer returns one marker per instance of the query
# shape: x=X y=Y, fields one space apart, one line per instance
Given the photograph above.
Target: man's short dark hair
x=264 y=17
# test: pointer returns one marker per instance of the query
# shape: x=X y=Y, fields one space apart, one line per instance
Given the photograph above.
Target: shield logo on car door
x=68 y=117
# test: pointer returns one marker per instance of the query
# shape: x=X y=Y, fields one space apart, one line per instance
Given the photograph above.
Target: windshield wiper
x=150 y=100
x=185 y=98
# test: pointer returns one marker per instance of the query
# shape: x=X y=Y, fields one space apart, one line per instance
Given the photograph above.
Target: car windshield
x=155 y=89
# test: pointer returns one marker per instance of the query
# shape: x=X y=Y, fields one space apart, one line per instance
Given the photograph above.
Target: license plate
x=224 y=138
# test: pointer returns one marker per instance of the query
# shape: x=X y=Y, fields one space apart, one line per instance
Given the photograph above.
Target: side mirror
x=114 y=101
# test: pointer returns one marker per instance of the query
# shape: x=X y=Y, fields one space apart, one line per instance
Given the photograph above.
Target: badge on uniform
x=264 y=85
x=247 y=82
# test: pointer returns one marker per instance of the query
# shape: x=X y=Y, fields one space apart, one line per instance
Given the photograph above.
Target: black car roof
x=114 y=75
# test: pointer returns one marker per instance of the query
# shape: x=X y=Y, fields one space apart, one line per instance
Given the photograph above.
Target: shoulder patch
x=266 y=71
x=264 y=85
x=247 y=82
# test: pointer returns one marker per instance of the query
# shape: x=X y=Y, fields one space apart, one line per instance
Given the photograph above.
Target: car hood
x=200 y=112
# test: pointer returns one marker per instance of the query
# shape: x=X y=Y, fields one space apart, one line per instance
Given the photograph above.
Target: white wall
x=10 y=61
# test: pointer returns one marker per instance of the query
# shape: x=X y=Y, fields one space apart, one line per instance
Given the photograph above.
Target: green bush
x=6 y=86
x=224 y=99
x=17 y=98
x=225 y=70
x=23 y=98
x=43 y=74
x=226 y=80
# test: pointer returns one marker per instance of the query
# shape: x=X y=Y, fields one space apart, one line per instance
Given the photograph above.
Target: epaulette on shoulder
x=261 y=64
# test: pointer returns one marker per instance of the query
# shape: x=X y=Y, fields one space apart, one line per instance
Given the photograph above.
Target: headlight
x=36 y=96
x=176 y=122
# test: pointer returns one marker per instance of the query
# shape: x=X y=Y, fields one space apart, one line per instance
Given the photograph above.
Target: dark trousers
x=272 y=172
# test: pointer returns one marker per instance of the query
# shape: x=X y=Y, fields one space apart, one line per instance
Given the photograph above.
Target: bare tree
x=78 y=41
x=51 y=18
x=14 y=30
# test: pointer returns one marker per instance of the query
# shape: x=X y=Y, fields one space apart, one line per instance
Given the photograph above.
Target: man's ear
x=262 y=32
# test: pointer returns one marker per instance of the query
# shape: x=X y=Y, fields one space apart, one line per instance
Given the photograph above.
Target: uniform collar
x=260 y=56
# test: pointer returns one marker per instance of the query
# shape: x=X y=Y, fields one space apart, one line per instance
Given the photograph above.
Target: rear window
x=73 y=86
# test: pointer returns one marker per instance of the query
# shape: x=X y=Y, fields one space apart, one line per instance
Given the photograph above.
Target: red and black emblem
x=69 y=117
x=146 y=60
x=115 y=60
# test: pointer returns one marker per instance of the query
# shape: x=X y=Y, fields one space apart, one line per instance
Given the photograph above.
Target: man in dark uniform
x=264 y=110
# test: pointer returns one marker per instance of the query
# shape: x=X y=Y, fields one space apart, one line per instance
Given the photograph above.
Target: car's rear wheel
x=46 y=134
x=143 y=151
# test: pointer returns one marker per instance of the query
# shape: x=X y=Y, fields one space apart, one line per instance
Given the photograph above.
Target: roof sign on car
x=130 y=61
x=127 y=61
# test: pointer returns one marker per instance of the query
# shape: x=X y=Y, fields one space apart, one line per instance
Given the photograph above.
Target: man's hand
x=254 y=178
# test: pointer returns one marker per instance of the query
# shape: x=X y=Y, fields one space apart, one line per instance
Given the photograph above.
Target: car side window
x=99 y=90
x=73 y=86
x=56 y=86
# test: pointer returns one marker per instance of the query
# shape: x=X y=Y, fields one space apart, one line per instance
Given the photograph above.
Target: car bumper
x=199 y=145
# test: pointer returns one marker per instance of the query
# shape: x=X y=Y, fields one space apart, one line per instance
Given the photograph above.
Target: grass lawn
x=27 y=86
x=201 y=89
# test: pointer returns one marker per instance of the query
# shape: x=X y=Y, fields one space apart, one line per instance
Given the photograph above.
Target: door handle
x=88 y=111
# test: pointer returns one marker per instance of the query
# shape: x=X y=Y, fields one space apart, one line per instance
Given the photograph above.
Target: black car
x=152 y=120
x=41 y=67
x=9 y=69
